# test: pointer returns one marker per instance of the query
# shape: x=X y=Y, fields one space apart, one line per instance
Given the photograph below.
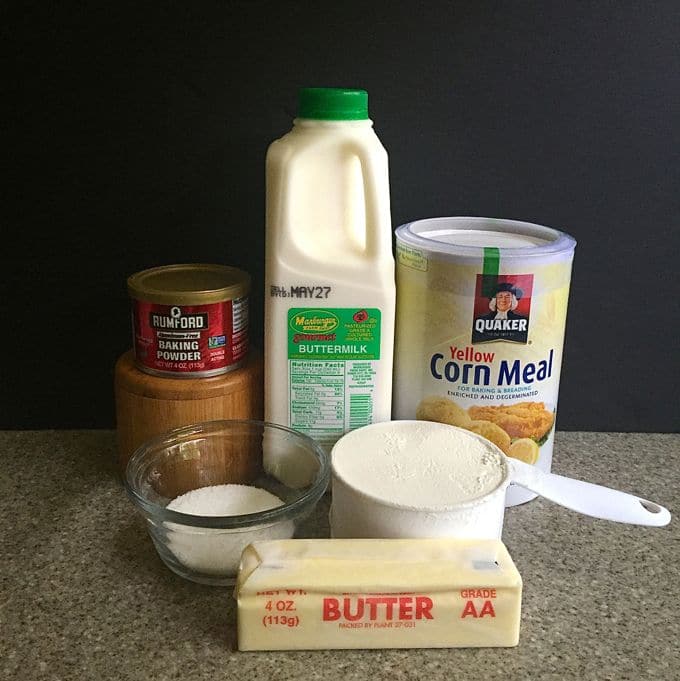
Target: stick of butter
x=377 y=593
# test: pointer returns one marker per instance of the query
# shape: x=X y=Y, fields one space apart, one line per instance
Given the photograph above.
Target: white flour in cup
x=417 y=479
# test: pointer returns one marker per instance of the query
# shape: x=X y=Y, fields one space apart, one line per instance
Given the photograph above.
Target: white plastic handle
x=588 y=498
x=374 y=174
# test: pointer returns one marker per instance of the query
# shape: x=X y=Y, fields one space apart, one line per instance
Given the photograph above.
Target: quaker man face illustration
x=506 y=298
x=504 y=301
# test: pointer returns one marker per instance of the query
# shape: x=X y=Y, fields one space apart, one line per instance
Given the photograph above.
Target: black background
x=136 y=137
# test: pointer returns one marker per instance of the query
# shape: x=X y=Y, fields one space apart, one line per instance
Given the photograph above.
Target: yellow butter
x=377 y=593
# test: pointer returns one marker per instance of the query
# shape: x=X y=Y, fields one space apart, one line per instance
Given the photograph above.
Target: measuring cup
x=360 y=513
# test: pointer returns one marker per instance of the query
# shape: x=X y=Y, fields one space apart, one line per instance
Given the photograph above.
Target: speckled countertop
x=84 y=595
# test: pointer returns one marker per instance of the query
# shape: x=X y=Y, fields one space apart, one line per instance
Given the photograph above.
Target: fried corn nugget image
x=442 y=410
x=492 y=433
x=521 y=420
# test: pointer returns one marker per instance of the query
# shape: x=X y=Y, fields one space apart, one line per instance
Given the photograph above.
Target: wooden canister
x=148 y=405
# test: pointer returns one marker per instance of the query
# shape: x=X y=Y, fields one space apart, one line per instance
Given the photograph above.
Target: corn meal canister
x=481 y=312
x=190 y=320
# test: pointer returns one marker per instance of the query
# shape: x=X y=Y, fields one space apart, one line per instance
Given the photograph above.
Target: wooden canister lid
x=130 y=379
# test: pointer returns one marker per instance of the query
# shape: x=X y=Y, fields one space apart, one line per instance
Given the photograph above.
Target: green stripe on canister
x=490 y=267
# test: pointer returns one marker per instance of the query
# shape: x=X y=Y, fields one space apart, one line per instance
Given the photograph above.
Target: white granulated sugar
x=217 y=552
x=217 y=500
x=419 y=465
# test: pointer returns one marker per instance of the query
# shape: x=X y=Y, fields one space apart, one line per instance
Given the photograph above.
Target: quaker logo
x=502 y=308
x=177 y=320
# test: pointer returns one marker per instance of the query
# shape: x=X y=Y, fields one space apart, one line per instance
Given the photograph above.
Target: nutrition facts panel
x=327 y=398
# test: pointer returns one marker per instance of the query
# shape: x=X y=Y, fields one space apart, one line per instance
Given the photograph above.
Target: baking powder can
x=190 y=320
x=481 y=313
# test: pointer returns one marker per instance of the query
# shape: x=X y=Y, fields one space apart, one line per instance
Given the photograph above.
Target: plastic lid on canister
x=332 y=104
x=469 y=236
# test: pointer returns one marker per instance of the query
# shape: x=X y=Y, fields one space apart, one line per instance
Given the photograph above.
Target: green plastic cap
x=333 y=104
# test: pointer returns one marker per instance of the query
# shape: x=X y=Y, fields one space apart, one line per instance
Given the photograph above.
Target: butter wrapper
x=304 y=594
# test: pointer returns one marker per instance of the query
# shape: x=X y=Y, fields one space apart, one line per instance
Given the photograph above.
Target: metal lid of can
x=189 y=284
x=469 y=236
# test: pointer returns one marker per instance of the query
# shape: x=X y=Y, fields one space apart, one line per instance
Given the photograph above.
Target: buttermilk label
x=468 y=366
x=337 y=334
x=332 y=368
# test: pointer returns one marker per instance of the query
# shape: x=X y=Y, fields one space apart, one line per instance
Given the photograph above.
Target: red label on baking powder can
x=194 y=339
x=187 y=321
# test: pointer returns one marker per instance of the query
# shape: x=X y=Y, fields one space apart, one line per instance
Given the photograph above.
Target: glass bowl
x=207 y=548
